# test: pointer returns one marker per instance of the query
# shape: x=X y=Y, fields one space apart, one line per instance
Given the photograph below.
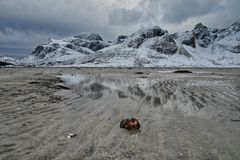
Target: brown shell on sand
x=130 y=124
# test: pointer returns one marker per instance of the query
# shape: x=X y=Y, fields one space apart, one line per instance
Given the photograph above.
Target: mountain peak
x=89 y=36
x=136 y=39
x=237 y=23
x=150 y=32
x=235 y=26
x=200 y=26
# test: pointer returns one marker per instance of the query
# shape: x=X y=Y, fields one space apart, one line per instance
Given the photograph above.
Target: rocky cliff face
x=120 y=39
x=136 y=39
x=5 y=63
x=205 y=37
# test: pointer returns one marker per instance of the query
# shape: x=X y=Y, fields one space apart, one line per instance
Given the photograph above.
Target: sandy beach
x=183 y=116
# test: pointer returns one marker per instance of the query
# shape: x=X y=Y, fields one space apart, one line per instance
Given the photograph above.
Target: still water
x=152 y=91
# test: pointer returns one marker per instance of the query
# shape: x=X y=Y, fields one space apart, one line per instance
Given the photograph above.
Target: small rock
x=180 y=155
x=182 y=71
x=71 y=135
x=130 y=124
x=138 y=72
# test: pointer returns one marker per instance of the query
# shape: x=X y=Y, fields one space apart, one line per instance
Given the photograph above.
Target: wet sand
x=193 y=116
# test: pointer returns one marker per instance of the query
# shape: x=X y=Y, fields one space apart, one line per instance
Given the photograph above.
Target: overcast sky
x=27 y=23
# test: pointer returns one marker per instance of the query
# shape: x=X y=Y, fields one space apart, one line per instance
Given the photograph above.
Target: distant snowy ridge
x=8 y=61
x=148 y=47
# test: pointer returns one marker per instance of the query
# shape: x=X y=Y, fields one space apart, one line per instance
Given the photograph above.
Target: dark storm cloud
x=27 y=23
x=59 y=17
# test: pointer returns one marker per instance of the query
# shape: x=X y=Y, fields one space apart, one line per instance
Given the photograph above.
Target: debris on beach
x=130 y=124
x=71 y=135
x=182 y=71
x=139 y=73
x=235 y=120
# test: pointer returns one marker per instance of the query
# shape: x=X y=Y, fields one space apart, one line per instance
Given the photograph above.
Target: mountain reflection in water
x=147 y=90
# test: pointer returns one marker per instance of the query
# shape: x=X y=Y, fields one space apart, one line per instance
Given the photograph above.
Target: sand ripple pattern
x=183 y=116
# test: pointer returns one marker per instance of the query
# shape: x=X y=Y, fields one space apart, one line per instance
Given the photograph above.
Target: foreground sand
x=183 y=116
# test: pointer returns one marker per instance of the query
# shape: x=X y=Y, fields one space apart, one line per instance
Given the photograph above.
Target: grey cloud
x=13 y=51
x=20 y=43
x=217 y=13
x=59 y=17
x=181 y=10
x=26 y=23
x=124 y=16
x=227 y=15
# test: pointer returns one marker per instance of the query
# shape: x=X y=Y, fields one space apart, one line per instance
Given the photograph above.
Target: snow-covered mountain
x=67 y=51
x=153 y=47
x=148 y=47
